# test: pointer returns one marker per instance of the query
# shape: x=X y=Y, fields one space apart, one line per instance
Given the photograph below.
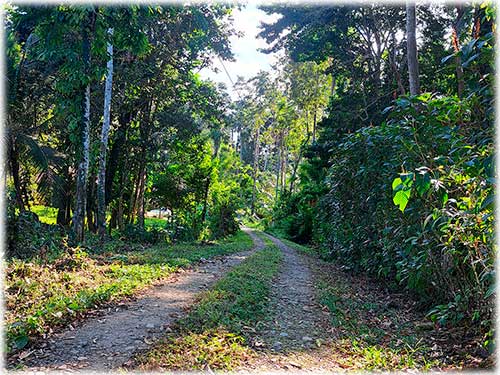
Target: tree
x=101 y=177
x=411 y=40
x=83 y=164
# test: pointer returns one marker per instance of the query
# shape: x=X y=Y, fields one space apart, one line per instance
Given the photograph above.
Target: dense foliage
x=109 y=123
x=403 y=188
x=167 y=142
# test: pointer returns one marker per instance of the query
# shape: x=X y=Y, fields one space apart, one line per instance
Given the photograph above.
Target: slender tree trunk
x=205 y=201
x=114 y=160
x=411 y=41
x=255 y=168
x=314 y=124
x=14 y=171
x=278 y=169
x=91 y=207
x=101 y=177
x=457 y=28
x=83 y=165
x=64 y=201
x=140 y=197
x=394 y=67
x=121 y=188
x=284 y=163
x=208 y=181
x=131 y=203
x=294 y=171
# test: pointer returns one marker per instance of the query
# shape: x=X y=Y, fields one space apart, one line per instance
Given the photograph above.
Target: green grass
x=371 y=336
x=213 y=333
x=150 y=222
x=40 y=296
x=47 y=215
x=303 y=249
x=177 y=255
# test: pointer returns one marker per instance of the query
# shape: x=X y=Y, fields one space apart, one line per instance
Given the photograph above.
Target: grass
x=371 y=335
x=42 y=295
x=303 y=249
x=182 y=254
x=47 y=215
x=155 y=222
x=212 y=335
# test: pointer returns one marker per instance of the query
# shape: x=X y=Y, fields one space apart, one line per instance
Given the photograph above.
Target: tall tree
x=411 y=41
x=101 y=177
x=83 y=164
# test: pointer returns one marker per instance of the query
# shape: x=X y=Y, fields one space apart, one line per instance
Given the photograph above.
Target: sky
x=248 y=60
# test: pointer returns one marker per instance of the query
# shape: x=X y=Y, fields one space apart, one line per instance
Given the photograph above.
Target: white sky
x=249 y=61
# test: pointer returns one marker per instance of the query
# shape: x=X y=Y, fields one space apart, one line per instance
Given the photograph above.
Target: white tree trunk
x=82 y=174
x=101 y=177
x=83 y=165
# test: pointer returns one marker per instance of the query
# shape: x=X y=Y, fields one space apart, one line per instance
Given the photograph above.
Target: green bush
x=412 y=200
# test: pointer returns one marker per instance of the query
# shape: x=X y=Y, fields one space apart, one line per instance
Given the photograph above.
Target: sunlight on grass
x=47 y=215
x=212 y=334
x=42 y=295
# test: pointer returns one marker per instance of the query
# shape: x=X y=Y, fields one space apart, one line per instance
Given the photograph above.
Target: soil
x=294 y=337
x=109 y=341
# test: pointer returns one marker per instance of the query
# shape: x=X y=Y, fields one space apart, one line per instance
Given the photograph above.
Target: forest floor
x=318 y=318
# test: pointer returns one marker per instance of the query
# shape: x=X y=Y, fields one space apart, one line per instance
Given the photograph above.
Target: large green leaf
x=401 y=199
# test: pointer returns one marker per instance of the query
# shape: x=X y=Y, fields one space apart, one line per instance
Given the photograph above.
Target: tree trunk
x=411 y=42
x=83 y=165
x=394 y=67
x=255 y=168
x=114 y=158
x=133 y=198
x=205 y=201
x=217 y=141
x=457 y=28
x=14 y=171
x=64 y=201
x=278 y=168
x=140 y=196
x=91 y=207
x=314 y=125
x=101 y=177
x=284 y=163
x=120 y=213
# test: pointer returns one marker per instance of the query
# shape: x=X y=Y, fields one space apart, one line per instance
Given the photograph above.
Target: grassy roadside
x=373 y=330
x=42 y=295
x=213 y=334
x=376 y=329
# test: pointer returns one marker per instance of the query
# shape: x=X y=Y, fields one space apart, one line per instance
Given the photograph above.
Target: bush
x=27 y=237
x=151 y=235
x=412 y=201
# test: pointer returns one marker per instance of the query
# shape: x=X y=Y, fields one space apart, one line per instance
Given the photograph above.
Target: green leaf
x=401 y=199
x=21 y=341
x=396 y=183
x=490 y=291
x=445 y=59
x=422 y=183
x=444 y=198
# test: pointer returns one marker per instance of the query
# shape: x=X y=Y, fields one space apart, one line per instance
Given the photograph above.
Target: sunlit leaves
x=402 y=190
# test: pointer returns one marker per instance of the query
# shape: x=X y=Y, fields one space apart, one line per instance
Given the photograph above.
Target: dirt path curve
x=294 y=337
x=109 y=341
